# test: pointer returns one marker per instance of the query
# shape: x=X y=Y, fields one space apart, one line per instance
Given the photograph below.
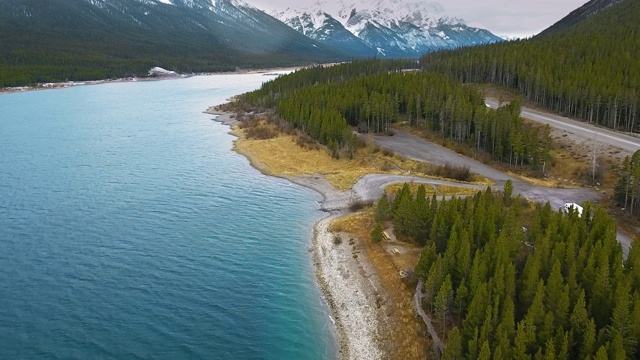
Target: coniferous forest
x=590 y=71
x=555 y=288
x=55 y=40
x=627 y=189
x=328 y=103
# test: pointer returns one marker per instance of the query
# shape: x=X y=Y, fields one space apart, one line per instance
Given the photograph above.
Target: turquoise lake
x=129 y=229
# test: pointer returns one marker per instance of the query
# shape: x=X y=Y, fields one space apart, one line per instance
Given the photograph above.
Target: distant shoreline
x=348 y=293
x=68 y=84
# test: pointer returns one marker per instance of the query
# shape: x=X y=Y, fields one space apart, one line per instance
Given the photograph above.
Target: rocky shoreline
x=348 y=282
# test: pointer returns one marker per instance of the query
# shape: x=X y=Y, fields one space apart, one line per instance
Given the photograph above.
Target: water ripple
x=132 y=231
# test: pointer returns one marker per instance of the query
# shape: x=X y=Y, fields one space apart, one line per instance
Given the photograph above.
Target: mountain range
x=202 y=25
x=53 y=40
x=395 y=28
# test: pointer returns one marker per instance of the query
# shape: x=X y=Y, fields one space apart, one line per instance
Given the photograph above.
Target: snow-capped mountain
x=394 y=28
x=181 y=35
x=89 y=39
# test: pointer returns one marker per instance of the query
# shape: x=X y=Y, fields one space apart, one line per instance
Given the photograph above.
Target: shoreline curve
x=344 y=281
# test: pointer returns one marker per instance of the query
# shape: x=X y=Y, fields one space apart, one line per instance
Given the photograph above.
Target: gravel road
x=419 y=149
x=619 y=140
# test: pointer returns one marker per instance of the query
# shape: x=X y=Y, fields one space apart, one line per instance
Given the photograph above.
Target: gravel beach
x=348 y=283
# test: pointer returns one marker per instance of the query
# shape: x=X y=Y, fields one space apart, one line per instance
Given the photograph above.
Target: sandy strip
x=346 y=278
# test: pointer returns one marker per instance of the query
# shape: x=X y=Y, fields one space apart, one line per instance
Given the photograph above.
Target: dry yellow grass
x=394 y=188
x=281 y=156
x=455 y=190
x=439 y=190
x=350 y=223
x=572 y=162
x=552 y=182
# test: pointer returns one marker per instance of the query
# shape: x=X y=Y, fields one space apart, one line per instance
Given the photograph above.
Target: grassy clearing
x=404 y=337
x=280 y=154
x=573 y=160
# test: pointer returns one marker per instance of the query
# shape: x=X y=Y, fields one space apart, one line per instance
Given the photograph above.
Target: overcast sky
x=513 y=18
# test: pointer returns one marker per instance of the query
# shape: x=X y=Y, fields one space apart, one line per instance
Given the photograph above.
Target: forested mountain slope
x=56 y=40
x=578 y=15
x=590 y=71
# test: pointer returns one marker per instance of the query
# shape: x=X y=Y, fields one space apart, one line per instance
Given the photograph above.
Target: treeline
x=53 y=40
x=327 y=103
x=19 y=68
x=273 y=90
x=627 y=189
x=26 y=68
x=555 y=289
x=590 y=71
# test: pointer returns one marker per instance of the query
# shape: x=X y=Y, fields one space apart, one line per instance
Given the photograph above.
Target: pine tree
x=485 y=352
x=473 y=347
x=383 y=210
x=462 y=297
x=524 y=340
x=376 y=234
x=550 y=351
x=453 y=351
x=508 y=192
x=443 y=301
x=602 y=353
x=620 y=325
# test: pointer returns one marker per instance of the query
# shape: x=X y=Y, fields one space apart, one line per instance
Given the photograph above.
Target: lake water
x=130 y=229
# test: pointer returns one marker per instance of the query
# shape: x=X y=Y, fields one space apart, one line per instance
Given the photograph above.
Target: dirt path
x=419 y=295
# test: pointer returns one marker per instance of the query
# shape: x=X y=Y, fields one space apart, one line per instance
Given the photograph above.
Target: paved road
x=584 y=130
x=419 y=149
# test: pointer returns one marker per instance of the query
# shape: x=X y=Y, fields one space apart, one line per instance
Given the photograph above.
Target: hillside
x=59 y=40
x=589 y=71
x=54 y=40
x=578 y=15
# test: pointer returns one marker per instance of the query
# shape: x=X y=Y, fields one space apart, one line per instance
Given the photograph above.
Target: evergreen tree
x=383 y=210
x=443 y=301
x=453 y=351
x=376 y=234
